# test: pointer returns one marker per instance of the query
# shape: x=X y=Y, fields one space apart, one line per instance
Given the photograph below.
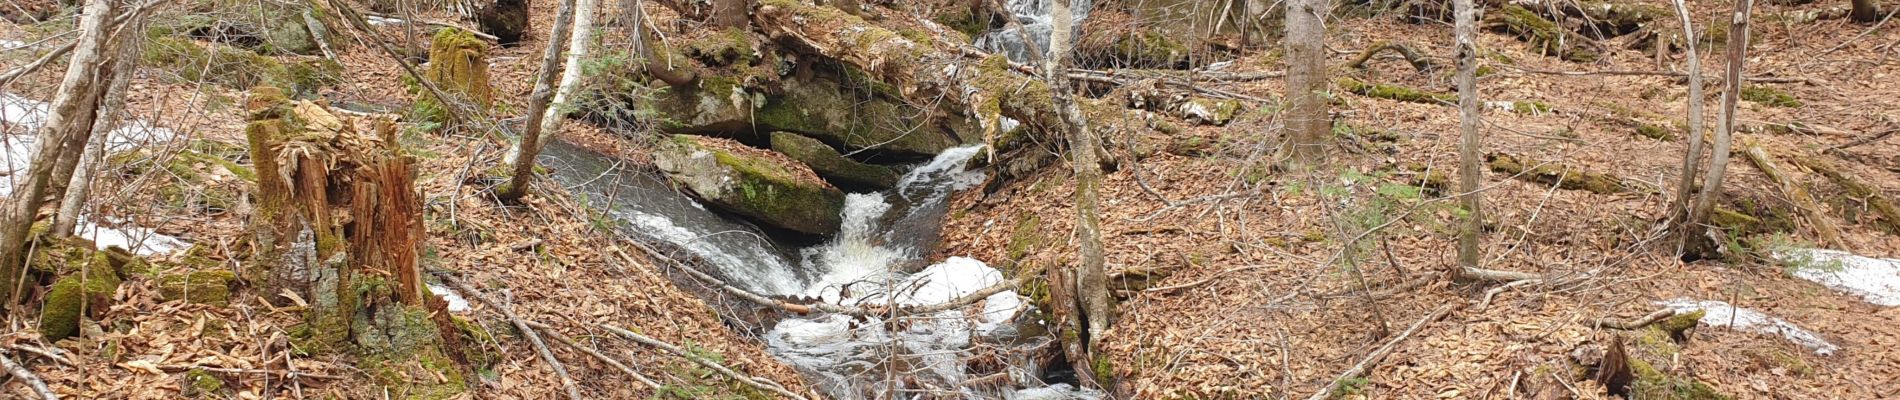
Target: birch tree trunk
x=530 y=142
x=1307 y=122
x=1691 y=162
x=556 y=112
x=72 y=110
x=124 y=65
x=1725 y=126
x=1469 y=172
x=1091 y=280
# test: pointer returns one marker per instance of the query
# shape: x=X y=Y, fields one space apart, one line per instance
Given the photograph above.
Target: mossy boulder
x=87 y=288
x=831 y=165
x=236 y=67
x=1546 y=36
x=774 y=192
x=211 y=287
x=819 y=108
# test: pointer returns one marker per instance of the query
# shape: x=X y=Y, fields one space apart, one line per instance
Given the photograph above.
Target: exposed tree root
x=1418 y=61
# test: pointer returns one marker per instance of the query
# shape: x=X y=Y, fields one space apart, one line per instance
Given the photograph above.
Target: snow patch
x=23 y=117
x=1722 y=314
x=455 y=300
x=1876 y=280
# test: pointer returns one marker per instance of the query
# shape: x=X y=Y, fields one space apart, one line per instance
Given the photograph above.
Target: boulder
x=760 y=185
x=822 y=109
x=831 y=165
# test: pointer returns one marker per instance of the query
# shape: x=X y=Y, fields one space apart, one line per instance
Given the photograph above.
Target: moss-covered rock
x=211 y=287
x=1548 y=37
x=199 y=383
x=236 y=67
x=726 y=47
x=88 y=287
x=820 y=109
x=831 y=165
x=1394 y=92
x=763 y=189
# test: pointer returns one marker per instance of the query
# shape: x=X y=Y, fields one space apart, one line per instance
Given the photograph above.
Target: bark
x=530 y=142
x=1469 y=173
x=668 y=70
x=570 y=79
x=72 y=115
x=1691 y=162
x=731 y=13
x=1091 y=280
x=506 y=19
x=124 y=61
x=1725 y=126
x=1307 y=122
x=1865 y=11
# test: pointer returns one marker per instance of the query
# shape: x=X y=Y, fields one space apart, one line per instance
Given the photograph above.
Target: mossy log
x=1796 y=192
x=833 y=166
x=1869 y=194
x=1546 y=36
x=1394 y=92
x=1565 y=177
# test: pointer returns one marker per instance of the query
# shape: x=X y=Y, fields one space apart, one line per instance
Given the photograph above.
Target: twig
x=475 y=32
x=289 y=374
x=1638 y=323
x=25 y=375
x=754 y=381
x=1493 y=293
x=540 y=347
x=1373 y=358
x=53 y=353
x=558 y=337
x=1836 y=149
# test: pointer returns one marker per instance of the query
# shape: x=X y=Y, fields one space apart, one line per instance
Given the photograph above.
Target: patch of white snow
x=1722 y=314
x=1876 y=280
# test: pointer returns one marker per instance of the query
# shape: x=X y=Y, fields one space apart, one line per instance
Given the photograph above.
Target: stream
x=877 y=258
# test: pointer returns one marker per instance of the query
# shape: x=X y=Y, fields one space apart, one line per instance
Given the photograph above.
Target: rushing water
x=1034 y=15
x=872 y=260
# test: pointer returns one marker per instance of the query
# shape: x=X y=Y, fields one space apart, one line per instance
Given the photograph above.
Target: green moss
x=1563 y=176
x=1546 y=36
x=1026 y=236
x=211 y=287
x=1769 y=96
x=59 y=316
x=458 y=64
x=1148 y=48
x=962 y=20
x=827 y=162
x=1530 y=107
x=202 y=384
x=237 y=68
x=400 y=348
x=1676 y=325
x=727 y=47
x=1651 y=384
x=1655 y=132
x=1394 y=92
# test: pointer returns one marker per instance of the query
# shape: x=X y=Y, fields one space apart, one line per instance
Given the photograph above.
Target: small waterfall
x=1034 y=15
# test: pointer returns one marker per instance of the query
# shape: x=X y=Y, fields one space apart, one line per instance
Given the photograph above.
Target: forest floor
x=1262 y=299
x=1259 y=299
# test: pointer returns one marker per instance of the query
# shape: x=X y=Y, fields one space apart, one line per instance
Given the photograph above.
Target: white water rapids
x=863 y=265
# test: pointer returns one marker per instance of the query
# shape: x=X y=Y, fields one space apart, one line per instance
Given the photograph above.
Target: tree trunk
x=530 y=142
x=1692 y=161
x=1307 y=122
x=506 y=19
x=665 y=69
x=1091 y=281
x=1865 y=11
x=1469 y=172
x=72 y=115
x=570 y=79
x=1725 y=127
x=124 y=62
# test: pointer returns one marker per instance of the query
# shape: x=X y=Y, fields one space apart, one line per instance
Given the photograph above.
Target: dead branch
x=1374 y=357
x=1836 y=149
x=558 y=337
x=16 y=73
x=1482 y=274
x=1889 y=214
x=754 y=381
x=1637 y=323
x=540 y=347
x=394 y=19
x=53 y=353
x=1419 y=61
x=26 y=375
x=1795 y=192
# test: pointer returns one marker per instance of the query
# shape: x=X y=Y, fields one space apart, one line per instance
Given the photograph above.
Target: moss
x=962 y=20
x=827 y=162
x=1563 y=176
x=202 y=384
x=727 y=47
x=1769 y=96
x=1676 y=325
x=1530 y=107
x=400 y=348
x=1655 y=132
x=199 y=287
x=1026 y=236
x=72 y=296
x=1394 y=92
x=458 y=64
x=237 y=68
x=1213 y=111
x=1546 y=36
x=1651 y=384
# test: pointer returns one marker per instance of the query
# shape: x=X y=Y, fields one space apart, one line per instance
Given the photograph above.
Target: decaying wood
x=528 y=331
x=27 y=376
x=1470 y=175
x=1795 y=192
x=753 y=381
x=1373 y=358
x=1870 y=194
x=558 y=337
x=1836 y=149
x=1418 y=61
x=1637 y=323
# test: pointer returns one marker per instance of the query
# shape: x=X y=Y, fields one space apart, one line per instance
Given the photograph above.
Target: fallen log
x=1875 y=199
x=1795 y=192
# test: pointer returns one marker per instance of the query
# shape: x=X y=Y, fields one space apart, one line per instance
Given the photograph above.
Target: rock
x=828 y=163
x=212 y=287
x=73 y=295
x=774 y=192
x=821 y=109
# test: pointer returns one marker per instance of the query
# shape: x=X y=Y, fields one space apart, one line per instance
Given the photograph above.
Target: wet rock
x=831 y=165
x=771 y=191
x=821 y=109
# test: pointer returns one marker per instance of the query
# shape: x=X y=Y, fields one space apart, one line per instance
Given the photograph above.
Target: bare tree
x=1691 y=162
x=1725 y=126
x=530 y=142
x=1091 y=280
x=556 y=112
x=1307 y=121
x=127 y=47
x=72 y=115
x=1469 y=173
